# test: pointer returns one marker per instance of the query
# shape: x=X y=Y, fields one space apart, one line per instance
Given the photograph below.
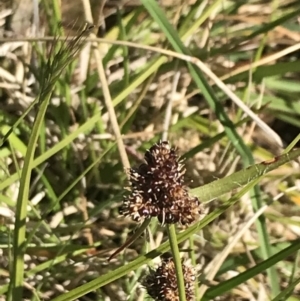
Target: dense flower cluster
x=158 y=190
x=161 y=284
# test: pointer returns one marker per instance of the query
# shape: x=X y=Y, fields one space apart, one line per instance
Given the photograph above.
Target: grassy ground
x=78 y=105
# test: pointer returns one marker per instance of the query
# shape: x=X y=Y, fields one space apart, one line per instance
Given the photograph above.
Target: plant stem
x=19 y=243
x=56 y=63
x=177 y=261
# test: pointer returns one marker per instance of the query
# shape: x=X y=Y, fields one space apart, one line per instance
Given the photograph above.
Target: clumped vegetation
x=193 y=105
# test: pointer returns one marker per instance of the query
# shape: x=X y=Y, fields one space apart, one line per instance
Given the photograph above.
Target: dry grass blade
x=106 y=92
x=266 y=128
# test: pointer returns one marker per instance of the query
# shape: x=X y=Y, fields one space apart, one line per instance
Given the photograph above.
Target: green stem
x=19 y=242
x=55 y=65
x=177 y=261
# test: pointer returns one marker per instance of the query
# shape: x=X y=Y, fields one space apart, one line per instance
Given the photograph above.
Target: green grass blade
x=150 y=69
x=238 y=179
x=259 y=268
x=267 y=27
x=16 y=284
x=287 y=291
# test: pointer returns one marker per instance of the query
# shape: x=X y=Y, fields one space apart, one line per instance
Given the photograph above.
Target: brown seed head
x=157 y=189
x=161 y=284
